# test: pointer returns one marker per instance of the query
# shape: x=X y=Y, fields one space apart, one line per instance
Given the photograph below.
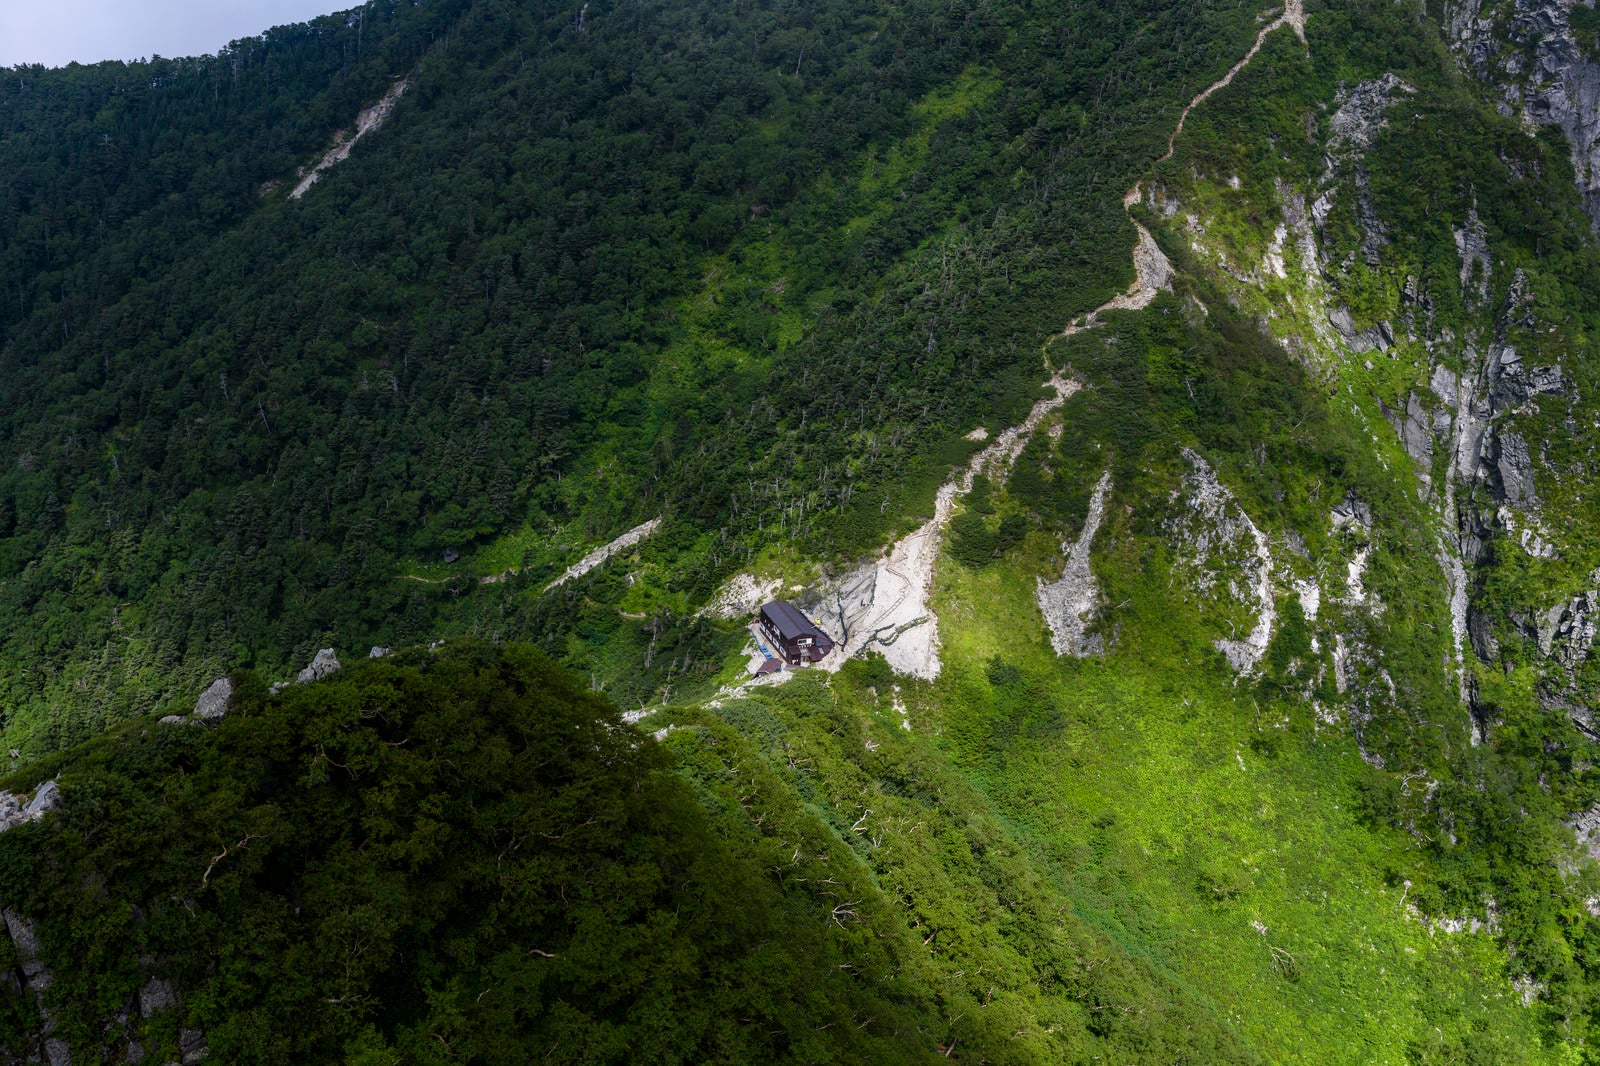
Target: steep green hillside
x=441 y=857
x=1235 y=703
x=660 y=263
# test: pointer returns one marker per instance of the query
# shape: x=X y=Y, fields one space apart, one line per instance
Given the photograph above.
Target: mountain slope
x=1243 y=704
x=503 y=329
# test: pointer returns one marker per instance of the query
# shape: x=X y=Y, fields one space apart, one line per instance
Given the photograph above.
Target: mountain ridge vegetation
x=758 y=270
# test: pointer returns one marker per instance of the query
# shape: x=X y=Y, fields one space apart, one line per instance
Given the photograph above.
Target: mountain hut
x=793 y=635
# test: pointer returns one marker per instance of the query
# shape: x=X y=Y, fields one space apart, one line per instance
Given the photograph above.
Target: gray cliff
x=1526 y=49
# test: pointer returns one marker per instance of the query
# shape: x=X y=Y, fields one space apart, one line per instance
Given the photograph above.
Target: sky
x=56 y=32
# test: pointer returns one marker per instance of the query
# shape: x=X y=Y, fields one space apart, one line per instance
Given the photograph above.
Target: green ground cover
x=1222 y=833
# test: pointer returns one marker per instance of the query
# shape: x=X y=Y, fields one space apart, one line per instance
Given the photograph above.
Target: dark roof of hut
x=789 y=619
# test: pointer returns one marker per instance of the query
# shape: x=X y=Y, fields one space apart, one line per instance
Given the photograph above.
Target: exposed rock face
x=1472 y=245
x=26 y=941
x=1513 y=470
x=1586 y=826
x=1526 y=50
x=1471 y=417
x=883 y=605
x=1567 y=630
x=1297 y=224
x=1354 y=516
x=1364 y=685
x=1478 y=434
x=18 y=810
x=192 y=1045
x=325 y=664
x=156 y=996
x=1565 y=636
x=1480 y=628
x=1361 y=113
x=1377 y=338
x=213 y=702
x=1071 y=602
x=1473 y=403
x=1350 y=513
x=1229 y=558
x=1352 y=132
x=1416 y=429
x=1510 y=383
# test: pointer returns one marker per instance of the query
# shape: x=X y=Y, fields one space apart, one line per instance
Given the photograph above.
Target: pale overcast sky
x=56 y=32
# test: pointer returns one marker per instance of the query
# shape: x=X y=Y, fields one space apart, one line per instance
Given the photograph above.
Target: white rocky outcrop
x=1472 y=248
x=1355 y=126
x=21 y=809
x=1152 y=275
x=606 y=551
x=325 y=664
x=1309 y=593
x=1071 y=602
x=884 y=604
x=210 y=708
x=213 y=702
x=741 y=595
x=1228 y=557
x=369 y=120
x=1353 y=131
x=1567 y=631
x=1565 y=635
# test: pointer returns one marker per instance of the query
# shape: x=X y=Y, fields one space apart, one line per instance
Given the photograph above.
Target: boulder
x=325 y=664
x=1351 y=512
x=47 y=798
x=156 y=996
x=26 y=939
x=192 y=1043
x=15 y=811
x=213 y=702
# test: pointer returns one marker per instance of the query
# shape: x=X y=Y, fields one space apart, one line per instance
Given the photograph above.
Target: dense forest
x=461 y=855
x=661 y=263
x=1305 y=788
